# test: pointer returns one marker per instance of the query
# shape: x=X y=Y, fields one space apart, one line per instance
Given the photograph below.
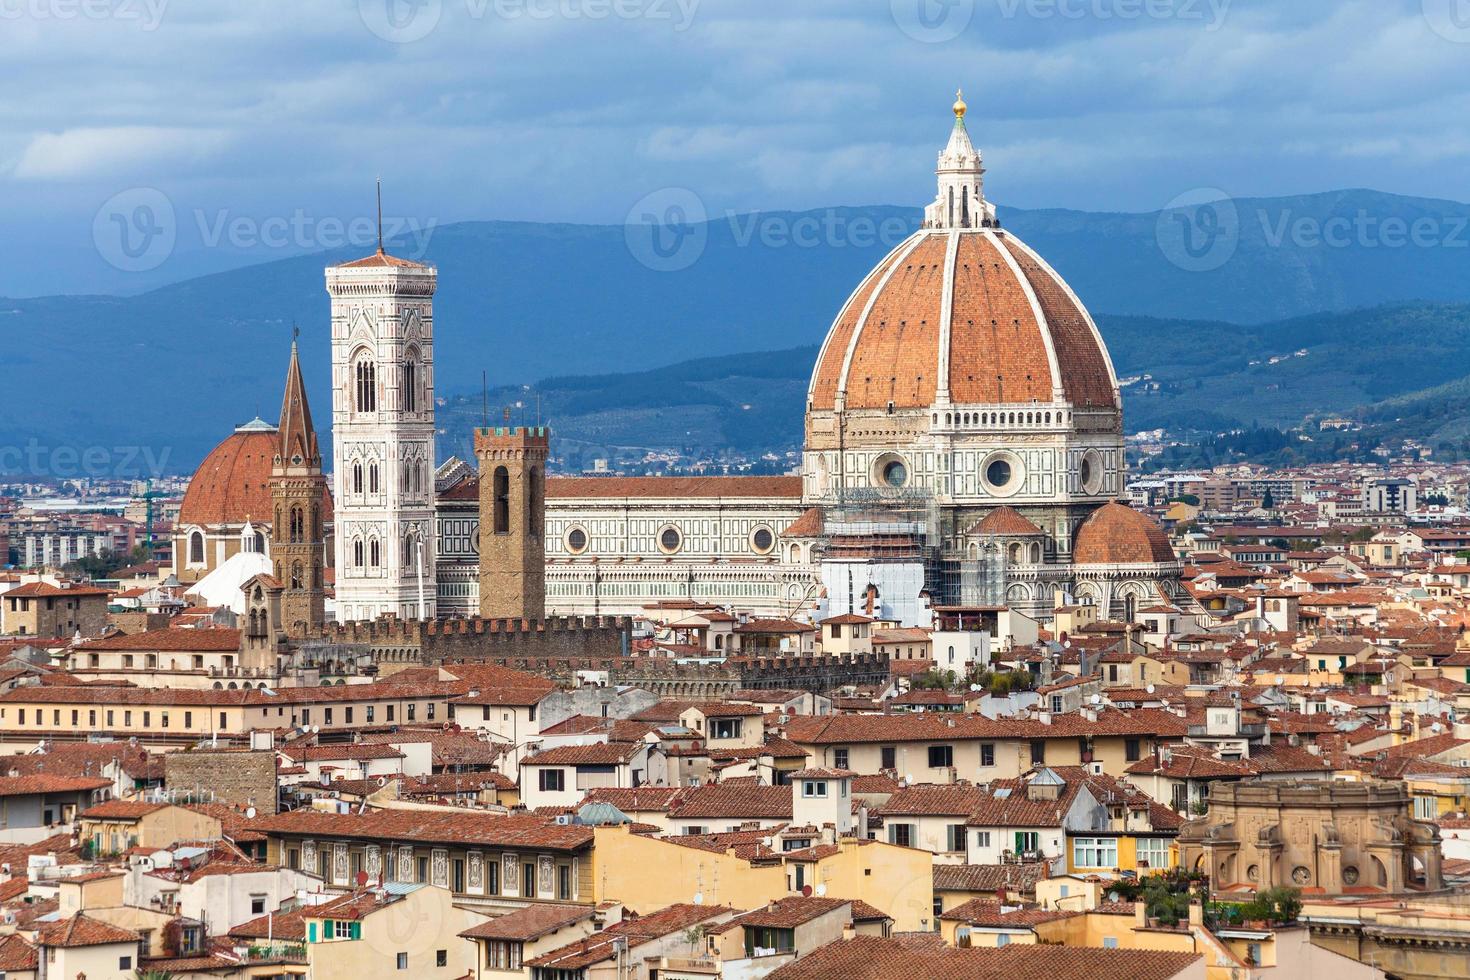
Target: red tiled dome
x=1005 y=520
x=974 y=310
x=233 y=482
x=1116 y=534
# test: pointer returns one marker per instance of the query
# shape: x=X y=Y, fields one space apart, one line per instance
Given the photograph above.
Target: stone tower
x=512 y=521
x=383 y=436
x=298 y=496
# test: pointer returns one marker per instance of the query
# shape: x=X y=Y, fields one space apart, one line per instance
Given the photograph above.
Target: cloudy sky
x=262 y=123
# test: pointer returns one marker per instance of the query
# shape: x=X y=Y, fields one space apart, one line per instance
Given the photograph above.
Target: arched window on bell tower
x=410 y=382
x=365 y=387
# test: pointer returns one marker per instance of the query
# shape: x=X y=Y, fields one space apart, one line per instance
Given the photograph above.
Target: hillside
x=1398 y=368
x=188 y=361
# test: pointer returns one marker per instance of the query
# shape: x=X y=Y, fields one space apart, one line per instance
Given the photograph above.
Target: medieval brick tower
x=512 y=519
x=298 y=496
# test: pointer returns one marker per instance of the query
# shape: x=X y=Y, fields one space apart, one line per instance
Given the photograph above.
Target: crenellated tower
x=512 y=521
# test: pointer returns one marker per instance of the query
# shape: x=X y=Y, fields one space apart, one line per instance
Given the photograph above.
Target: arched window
x=196 y=546
x=501 y=490
x=964 y=207
x=298 y=526
x=374 y=556
x=410 y=383
x=408 y=551
x=357 y=552
x=296 y=575
x=372 y=478
x=357 y=477
x=366 y=390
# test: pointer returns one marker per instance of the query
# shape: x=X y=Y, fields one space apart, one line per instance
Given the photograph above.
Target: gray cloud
x=573 y=109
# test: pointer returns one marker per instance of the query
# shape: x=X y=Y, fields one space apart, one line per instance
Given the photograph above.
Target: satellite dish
x=362 y=879
x=806 y=891
x=975 y=687
x=1097 y=699
x=699 y=898
x=1280 y=680
x=1149 y=689
x=1067 y=645
x=821 y=890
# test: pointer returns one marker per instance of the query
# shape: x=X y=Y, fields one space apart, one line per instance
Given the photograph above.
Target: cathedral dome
x=963 y=313
x=1116 y=534
x=232 y=485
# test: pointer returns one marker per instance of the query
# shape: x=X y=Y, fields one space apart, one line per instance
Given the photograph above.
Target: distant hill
x=1397 y=368
x=175 y=368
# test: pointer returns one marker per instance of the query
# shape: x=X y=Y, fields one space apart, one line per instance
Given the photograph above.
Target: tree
x=1268 y=501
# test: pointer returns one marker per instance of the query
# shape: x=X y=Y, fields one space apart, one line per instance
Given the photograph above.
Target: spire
x=380 y=215
x=960 y=202
x=297 y=439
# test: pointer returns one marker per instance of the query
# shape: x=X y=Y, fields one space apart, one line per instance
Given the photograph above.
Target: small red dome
x=1116 y=534
x=233 y=482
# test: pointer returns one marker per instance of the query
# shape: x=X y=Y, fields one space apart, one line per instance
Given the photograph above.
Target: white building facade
x=383 y=436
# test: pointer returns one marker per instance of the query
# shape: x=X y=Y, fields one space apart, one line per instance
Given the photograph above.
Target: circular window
x=669 y=540
x=1089 y=472
x=762 y=540
x=1350 y=875
x=576 y=540
x=1001 y=473
x=1300 y=874
x=890 y=472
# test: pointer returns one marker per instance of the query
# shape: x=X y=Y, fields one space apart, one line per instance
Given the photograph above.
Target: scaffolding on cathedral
x=883 y=556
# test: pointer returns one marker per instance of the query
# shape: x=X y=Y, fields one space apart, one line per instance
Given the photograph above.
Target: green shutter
x=311 y=932
x=356 y=930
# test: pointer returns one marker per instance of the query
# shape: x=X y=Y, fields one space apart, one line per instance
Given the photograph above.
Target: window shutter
x=311 y=932
x=357 y=930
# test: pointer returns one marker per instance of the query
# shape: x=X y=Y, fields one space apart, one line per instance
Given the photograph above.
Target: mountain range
x=1369 y=284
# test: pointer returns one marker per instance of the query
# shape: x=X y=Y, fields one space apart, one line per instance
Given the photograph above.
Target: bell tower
x=383 y=436
x=298 y=495
x=512 y=521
